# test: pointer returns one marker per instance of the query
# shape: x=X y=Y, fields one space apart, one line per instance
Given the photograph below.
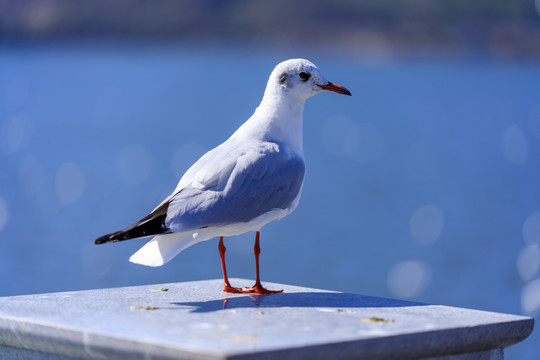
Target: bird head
x=300 y=78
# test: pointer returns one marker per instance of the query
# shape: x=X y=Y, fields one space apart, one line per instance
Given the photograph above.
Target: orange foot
x=256 y=289
x=233 y=290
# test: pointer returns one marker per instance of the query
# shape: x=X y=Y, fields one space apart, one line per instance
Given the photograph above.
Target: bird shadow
x=295 y=300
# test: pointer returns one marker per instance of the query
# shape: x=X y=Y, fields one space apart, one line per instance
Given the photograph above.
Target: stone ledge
x=196 y=320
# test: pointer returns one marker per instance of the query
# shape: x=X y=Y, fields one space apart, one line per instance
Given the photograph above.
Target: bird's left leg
x=258 y=288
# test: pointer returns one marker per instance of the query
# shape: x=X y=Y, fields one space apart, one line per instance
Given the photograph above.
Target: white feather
x=162 y=248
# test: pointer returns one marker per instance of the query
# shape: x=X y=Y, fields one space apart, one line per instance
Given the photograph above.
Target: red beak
x=335 y=88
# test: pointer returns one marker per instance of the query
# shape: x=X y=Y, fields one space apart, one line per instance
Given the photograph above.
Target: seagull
x=255 y=177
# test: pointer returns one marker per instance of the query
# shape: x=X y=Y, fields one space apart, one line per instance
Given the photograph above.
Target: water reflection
x=254 y=297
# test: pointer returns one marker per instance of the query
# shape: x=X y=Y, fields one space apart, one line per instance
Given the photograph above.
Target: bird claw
x=233 y=290
x=256 y=289
x=262 y=291
x=259 y=289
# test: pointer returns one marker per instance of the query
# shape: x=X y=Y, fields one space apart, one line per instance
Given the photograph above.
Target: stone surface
x=196 y=320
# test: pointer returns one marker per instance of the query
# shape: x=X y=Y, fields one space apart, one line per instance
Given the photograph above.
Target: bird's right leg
x=227 y=288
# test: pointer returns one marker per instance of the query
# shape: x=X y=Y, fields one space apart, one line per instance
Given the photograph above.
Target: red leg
x=258 y=288
x=227 y=287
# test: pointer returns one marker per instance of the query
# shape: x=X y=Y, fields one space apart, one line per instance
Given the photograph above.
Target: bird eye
x=304 y=75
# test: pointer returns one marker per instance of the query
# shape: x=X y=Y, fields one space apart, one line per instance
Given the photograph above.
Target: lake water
x=424 y=185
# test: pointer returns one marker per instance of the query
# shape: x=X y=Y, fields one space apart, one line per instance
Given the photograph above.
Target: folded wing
x=234 y=184
x=252 y=181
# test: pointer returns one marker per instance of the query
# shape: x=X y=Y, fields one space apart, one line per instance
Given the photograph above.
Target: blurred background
x=424 y=185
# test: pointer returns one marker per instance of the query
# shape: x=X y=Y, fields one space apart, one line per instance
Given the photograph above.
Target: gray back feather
x=251 y=182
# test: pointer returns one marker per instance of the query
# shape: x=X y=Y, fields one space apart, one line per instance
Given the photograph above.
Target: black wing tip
x=106 y=239
x=153 y=224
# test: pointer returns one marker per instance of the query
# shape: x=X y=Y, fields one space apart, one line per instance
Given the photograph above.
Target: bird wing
x=233 y=183
x=236 y=184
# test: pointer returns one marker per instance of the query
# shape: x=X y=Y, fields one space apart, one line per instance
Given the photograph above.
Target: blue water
x=424 y=185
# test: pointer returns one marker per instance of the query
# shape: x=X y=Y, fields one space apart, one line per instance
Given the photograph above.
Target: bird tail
x=163 y=248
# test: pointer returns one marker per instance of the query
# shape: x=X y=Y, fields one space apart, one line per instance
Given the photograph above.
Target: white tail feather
x=163 y=248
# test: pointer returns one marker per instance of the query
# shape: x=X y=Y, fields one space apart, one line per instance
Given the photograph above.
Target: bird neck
x=279 y=119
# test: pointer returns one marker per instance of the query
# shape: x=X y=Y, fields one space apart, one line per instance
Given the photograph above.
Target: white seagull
x=254 y=177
